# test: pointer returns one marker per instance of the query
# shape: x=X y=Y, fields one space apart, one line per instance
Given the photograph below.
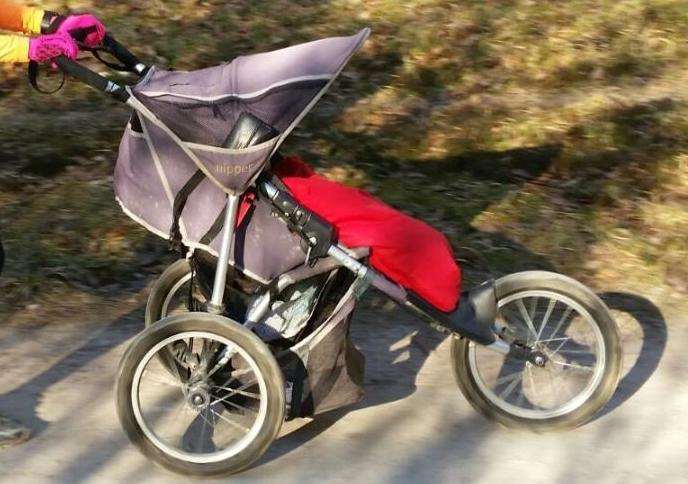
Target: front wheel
x=562 y=319
x=212 y=413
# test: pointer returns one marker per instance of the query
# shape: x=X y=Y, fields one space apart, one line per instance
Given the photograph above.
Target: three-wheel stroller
x=252 y=327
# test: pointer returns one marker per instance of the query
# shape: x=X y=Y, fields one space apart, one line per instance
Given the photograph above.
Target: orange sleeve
x=20 y=19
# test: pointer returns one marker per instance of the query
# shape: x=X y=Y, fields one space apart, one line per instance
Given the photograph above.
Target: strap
x=178 y=207
x=33 y=79
x=117 y=67
x=96 y=51
x=215 y=228
x=51 y=22
x=49 y=25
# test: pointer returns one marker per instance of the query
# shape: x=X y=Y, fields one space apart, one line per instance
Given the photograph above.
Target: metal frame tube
x=216 y=301
x=397 y=293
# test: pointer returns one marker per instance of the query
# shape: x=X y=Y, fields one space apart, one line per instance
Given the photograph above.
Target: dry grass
x=538 y=134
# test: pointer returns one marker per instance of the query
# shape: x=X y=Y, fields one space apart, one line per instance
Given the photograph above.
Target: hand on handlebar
x=85 y=28
x=45 y=48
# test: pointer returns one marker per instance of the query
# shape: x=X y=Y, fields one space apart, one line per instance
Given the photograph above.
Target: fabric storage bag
x=326 y=370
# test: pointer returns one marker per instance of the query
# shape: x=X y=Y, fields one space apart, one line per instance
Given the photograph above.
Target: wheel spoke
x=168 y=357
x=565 y=338
x=560 y=345
x=533 y=307
x=564 y=317
x=545 y=319
x=227 y=355
x=503 y=379
x=576 y=352
x=229 y=421
x=573 y=365
x=526 y=317
x=236 y=375
x=510 y=388
x=521 y=399
x=237 y=391
x=161 y=380
x=238 y=407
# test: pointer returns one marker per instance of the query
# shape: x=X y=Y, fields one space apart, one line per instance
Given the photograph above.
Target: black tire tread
x=223 y=327
x=542 y=280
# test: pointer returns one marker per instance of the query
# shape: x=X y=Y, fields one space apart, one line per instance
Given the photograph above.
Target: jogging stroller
x=251 y=327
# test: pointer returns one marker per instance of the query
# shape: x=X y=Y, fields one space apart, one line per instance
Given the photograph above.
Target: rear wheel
x=173 y=293
x=216 y=410
x=567 y=323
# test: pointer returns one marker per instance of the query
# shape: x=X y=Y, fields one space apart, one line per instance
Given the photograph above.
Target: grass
x=534 y=134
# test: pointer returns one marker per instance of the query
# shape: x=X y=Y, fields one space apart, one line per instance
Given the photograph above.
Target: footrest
x=477 y=313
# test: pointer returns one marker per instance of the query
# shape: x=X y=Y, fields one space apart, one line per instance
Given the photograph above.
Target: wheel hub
x=537 y=358
x=198 y=397
x=529 y=354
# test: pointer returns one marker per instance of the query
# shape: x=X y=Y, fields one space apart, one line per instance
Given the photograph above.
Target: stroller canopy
x=198 y=109
x=181 y=126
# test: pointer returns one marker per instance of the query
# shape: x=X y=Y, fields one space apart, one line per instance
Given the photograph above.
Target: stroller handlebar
x=124 y=55
x=95 y=80
x=92 y=78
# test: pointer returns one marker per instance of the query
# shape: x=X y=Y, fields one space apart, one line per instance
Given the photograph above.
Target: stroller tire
x=200 y=448
x=569 y=324
x=169 y=282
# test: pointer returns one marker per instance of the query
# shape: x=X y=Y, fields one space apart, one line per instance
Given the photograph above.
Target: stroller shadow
x=22 y=402
x=641 y=324
x=396 y=349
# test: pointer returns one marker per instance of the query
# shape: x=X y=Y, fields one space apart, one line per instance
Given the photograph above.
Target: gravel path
x=413 y=425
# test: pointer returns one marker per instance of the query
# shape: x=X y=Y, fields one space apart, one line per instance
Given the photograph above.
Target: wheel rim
x=171 y=413
x=566 y=333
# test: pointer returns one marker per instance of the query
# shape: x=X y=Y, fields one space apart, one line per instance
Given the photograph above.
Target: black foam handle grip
x=124 y=55
x=93 y=79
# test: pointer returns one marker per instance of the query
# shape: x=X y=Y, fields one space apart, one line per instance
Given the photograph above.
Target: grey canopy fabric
x=183 y=120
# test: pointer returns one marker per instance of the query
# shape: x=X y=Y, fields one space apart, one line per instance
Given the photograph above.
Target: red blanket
x=406 y=250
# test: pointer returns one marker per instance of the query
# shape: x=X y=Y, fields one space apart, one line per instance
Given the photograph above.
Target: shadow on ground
x=25 y=399
x=389 y=379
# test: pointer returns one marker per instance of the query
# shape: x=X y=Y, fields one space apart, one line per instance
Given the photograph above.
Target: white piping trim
x=138 y=105
x=190 y=244
x=231 y=151
x=317 y=97
x=134 y=134
x=140 y=221
x=163 y=177
x=260 y=92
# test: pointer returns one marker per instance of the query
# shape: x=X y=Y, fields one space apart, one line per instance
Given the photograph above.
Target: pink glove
x=47 y=47
x=84 y=22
